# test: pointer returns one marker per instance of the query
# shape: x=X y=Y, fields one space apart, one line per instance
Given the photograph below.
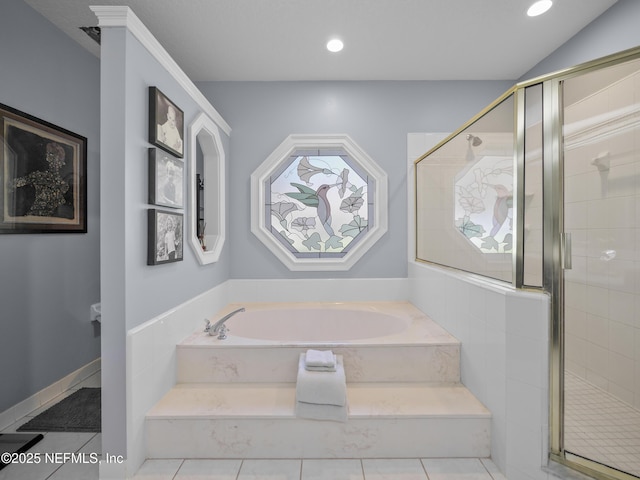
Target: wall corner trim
x=121 y=16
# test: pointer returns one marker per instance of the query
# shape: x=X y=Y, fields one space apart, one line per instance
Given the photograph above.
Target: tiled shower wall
x=504 y=358
x=504 y=335
x=602 y=213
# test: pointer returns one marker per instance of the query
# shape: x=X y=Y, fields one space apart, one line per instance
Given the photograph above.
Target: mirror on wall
x=206 y=190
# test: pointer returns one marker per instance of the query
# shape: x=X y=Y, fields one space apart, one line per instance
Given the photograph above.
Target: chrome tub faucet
x=219 y=328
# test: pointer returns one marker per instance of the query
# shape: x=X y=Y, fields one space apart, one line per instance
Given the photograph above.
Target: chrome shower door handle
x=565 y=251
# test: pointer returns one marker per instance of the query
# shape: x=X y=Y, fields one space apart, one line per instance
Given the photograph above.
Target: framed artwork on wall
x=165 y=231
x=43 y=185
x=166 y=123
x=166 y=179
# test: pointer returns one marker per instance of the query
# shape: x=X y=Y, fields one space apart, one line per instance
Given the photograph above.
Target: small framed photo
x=166 y=123
x=43 y=185
x=165 y=237
x=166 y=179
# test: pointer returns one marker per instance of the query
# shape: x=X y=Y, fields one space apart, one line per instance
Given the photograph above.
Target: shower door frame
x=553 y=255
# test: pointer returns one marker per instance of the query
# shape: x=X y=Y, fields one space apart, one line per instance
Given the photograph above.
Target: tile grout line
x=424 y=469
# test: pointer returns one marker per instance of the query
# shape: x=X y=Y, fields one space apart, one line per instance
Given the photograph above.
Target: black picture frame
x=166 y=179
x=165 y=234
x=166 y=123
x=43 y=176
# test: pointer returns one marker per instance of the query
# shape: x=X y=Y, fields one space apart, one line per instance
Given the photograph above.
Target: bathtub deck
x=204 y=400
x=235 y=398
x=425 y=352
x=421 y=330
x=258 y=421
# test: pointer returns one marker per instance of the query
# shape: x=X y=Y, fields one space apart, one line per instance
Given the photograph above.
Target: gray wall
x=377 y=115
x=615 y=30
x=48 y=281
x=128 y=71
x=132 y=291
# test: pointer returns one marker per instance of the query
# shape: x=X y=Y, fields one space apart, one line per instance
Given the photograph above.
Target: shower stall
x=541 y=190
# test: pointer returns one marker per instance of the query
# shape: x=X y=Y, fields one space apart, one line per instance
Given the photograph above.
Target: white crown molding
x=121 y=16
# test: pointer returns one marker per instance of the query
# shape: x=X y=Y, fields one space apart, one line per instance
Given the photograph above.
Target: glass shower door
x=601 y=169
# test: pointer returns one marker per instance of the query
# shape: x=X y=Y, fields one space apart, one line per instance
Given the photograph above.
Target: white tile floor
x=310 y=469
x=57 y=442
x=584 y=420
x=619 y=429
x=600 y=427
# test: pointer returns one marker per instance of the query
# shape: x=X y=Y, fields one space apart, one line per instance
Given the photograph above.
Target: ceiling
x=262 y=40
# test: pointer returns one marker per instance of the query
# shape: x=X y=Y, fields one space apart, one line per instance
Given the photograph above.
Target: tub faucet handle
x=207 y=328
x=222 y=332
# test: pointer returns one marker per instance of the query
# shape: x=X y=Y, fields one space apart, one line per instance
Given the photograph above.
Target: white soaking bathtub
x=378 y=341
x=329 y=323
x=324 y=323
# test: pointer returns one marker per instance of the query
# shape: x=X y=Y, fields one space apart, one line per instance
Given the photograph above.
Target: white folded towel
x=321 y=388
x=320 y=369
x=327 y=366
x=322 y=412
x=319 y=358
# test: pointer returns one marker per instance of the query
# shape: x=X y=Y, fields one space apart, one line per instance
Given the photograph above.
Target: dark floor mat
x=79 y=412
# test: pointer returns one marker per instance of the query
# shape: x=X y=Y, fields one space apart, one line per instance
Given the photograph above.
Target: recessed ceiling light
x=335 y=45
x=539 y=7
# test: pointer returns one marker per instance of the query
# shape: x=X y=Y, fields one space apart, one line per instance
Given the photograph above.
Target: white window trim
x=281 y=153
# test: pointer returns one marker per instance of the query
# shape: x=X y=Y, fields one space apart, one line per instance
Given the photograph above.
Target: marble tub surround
x=258 y=421
x=422 y=352
x=235 y=398
x=279 y=364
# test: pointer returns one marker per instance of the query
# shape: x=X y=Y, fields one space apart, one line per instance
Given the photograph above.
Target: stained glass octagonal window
x=319 y=202
x=484 y=203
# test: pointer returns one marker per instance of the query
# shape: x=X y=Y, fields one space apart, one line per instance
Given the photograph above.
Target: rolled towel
x=321 y=388
x=319 y=358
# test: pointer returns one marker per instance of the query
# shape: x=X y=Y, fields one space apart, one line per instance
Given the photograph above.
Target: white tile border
x=518 y=323
x=151 y=362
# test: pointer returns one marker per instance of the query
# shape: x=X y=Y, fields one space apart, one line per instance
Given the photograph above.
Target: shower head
x=473 y=140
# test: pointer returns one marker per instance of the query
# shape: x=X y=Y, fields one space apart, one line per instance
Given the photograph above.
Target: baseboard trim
x=28 y=405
